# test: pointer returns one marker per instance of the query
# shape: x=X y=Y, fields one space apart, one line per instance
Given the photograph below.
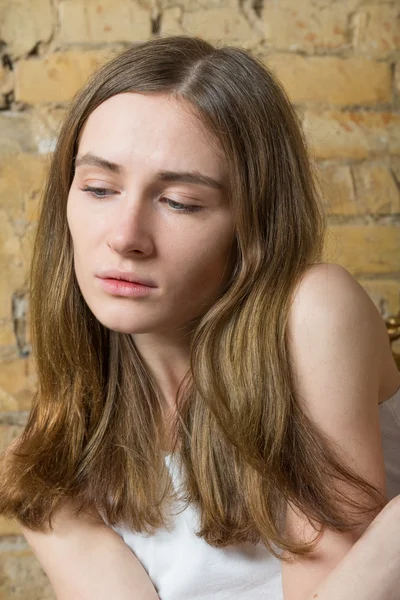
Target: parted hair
x=245 y=446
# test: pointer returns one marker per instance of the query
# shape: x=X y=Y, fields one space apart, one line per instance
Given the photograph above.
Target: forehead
x=159 y=130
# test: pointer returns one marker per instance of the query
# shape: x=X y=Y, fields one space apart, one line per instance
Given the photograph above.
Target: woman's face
x=126 y=211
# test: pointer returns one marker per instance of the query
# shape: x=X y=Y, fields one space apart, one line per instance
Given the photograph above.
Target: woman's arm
x=371 y=570
x=85 y=559
x=336 y=343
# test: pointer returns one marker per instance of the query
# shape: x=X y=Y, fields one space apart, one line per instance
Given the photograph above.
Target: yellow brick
x=395 y=167
x=397 y=78
x=337 y=189
x=376 y=189
x=12 y=268
x=18 y=380
x=9 y=527
x=55 y=78
x=6 y=85
x=219 y=24
x=21 y=179
x=193 y=5
x=27 y=241
x=305 y=25
x=7 y=337
x=364 y=249
x=21 y=182
x=24 y=23
x=332 y=80
x=377 y=28
x=356 y=135
x=171 y=22
x=385 y=294
x=104 y=21
x=7 y=402
x=16 y=134
x=45 y=124
x=23 y=577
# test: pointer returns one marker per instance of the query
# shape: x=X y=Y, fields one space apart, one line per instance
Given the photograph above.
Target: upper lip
x=127 y=276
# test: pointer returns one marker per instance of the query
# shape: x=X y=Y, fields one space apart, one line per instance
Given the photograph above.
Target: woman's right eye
x=97 y=192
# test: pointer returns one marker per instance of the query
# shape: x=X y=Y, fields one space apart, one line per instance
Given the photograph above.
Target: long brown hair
x=246 y=447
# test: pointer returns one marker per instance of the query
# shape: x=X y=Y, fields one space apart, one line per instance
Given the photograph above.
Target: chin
x=117 y=321
x=136 y=319
x=127 y=327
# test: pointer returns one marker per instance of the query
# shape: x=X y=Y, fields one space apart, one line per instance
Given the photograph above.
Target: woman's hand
x=371 y=569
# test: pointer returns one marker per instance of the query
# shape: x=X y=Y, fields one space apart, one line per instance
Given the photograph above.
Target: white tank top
x=184 y=567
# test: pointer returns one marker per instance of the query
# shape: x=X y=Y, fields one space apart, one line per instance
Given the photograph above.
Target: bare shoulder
x=67 y=528
x=330 y=297
x=329 y=302
x=331 y=308
x=336 y=345
x=326 y=285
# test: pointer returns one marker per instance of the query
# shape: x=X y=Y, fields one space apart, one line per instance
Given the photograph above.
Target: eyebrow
x=193 y=177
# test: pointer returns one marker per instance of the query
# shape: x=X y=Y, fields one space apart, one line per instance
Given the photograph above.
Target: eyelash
x=186 y=208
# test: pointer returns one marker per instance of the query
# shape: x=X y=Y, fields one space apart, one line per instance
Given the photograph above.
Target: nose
x=130 y=228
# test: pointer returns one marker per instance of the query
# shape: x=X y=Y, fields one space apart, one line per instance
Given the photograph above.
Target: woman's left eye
x=97 y=192
x=187 y=208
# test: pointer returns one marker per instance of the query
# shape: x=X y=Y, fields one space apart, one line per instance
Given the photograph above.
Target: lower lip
x=119 y=287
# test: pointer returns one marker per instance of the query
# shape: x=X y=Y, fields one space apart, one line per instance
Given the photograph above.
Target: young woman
x=217 y=414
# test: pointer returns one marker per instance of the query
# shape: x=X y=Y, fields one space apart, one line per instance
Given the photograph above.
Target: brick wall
x=340 y=63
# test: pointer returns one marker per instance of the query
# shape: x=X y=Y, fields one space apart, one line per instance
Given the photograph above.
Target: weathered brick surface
x=385 y=294
x=18 y=382
x=25 y=23
x=365 y=188
x=352 y=135
x=217 y=24
x=397 y=79
x=6 y=85
x=22 y=578
x=8 y=347
x=171 y=23
x=11 y=263
x=395 y=167
x=16 y=133
x=364 y=249
x=376 y=189
x=193 y=5
x=55 y=78
x=337 y=189
x=103 y=21
x=377 y=28
x=46 y=122
x=21 y=181
x=306 y=25
x=332 y=80
x=9 y=527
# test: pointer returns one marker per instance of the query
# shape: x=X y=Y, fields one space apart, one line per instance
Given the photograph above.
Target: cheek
x=79 y=236
x=211 y=265
x=73 y=220
x=78 y=219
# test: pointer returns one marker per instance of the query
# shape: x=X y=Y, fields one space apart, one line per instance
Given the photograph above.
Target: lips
x=128 y=276
x=123 y=287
